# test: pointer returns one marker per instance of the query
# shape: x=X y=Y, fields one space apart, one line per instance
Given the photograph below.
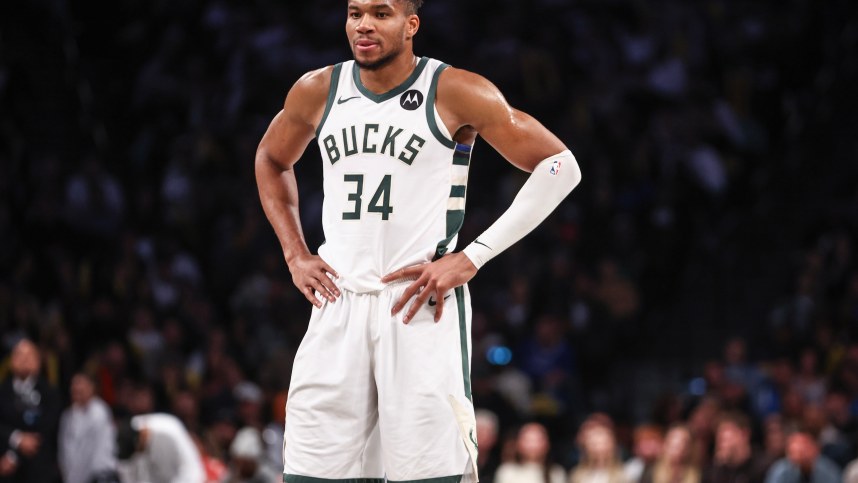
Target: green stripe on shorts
x=443 y=479
x=463 y=341
x=310 y=479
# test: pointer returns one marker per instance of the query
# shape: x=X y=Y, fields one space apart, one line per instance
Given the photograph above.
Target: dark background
x=718 y=142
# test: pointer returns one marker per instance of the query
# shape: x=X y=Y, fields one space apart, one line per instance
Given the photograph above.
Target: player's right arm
x=287 y=137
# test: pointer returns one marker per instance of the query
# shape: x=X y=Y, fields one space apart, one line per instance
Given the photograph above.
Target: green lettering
x=409 y=146
x=366 y=147
x=354 y=197
x=331 y=147
x=354 y=148
x=389 y=140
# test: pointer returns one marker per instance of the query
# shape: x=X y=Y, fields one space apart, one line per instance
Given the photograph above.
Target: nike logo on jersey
x=433 y=303
x=347 y=99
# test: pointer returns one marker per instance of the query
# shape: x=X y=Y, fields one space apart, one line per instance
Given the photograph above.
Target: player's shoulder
x=307 y=97
x=456 y=79
x=315 y=82
x=463 y=90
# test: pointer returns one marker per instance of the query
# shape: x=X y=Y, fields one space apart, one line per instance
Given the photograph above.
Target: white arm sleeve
x=551 y=180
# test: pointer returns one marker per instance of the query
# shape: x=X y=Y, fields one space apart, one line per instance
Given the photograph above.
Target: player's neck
x=391 y=75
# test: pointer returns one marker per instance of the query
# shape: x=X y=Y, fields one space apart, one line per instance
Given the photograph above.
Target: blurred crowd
x=691 y=311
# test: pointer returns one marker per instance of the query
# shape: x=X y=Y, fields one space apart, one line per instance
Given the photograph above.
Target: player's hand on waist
x=311 y=274
x=433 y=279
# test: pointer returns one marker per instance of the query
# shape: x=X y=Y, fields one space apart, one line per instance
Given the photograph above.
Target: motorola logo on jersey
x=411 y=100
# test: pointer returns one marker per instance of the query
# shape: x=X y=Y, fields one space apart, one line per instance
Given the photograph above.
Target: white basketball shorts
x=374 y=400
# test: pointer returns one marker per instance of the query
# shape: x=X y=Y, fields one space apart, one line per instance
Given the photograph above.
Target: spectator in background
x=94 y=201
x=737 y=368
x=531 y=463
x=808 y=382
x=648 y=441
x=29 y=416
x=701 y=425
x=599 y=462
x=488 y=457
x=549 y=361
x=734 y=460
x=850 y=474
x=272 y=435
x=837 y=438
x=675 y=464
x=774 y=439
x=247 y=460
x=249 y=400
x=159 y=449
x=803 y=462
x=87 y=436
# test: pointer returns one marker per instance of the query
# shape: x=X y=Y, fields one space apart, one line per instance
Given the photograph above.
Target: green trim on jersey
x=332 y=93
x=443 y=479
x=461 y=159
x=463 y=341
x=458 y=191
x=310 y=479
x=378 y=98
x=455 y=219
x=430 y=110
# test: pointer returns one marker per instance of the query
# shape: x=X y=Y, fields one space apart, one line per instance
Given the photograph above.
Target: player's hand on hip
x=433 y=279
x=311 y=274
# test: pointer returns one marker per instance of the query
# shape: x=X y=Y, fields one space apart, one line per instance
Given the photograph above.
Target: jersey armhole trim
x=332 y=93
x=430 y=110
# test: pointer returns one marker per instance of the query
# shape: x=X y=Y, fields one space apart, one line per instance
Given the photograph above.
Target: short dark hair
x=127 y=440
x=412 y=6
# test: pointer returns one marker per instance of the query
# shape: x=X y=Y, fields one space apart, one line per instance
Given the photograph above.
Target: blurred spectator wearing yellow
x=599 y=463
x=675 y=464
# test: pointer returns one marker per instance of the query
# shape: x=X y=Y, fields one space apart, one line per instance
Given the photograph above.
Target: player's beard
x=381 y=61
x=378 y=63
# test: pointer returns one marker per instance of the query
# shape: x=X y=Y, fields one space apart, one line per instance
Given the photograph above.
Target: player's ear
x=412 y=26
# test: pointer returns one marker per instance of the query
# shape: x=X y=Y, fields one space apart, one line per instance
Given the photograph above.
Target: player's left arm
x=467 y=101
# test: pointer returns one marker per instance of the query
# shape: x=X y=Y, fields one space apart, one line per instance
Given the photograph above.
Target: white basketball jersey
x=394 y=180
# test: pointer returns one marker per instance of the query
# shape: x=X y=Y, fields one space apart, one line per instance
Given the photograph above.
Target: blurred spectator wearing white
x=675 y=465
x=531 y=464
x=648 y=441
x=600 y=463
x=162 y=451
x=247 y=459
x=87 y=436
x=803 y=462
x=850 y=474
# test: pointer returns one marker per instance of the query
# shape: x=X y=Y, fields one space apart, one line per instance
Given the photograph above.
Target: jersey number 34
x=379 y=203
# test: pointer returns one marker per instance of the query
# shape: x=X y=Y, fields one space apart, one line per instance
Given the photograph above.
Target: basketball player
x=381 y=385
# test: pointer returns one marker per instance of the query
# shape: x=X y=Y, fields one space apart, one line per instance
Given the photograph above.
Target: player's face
x=379 y=31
